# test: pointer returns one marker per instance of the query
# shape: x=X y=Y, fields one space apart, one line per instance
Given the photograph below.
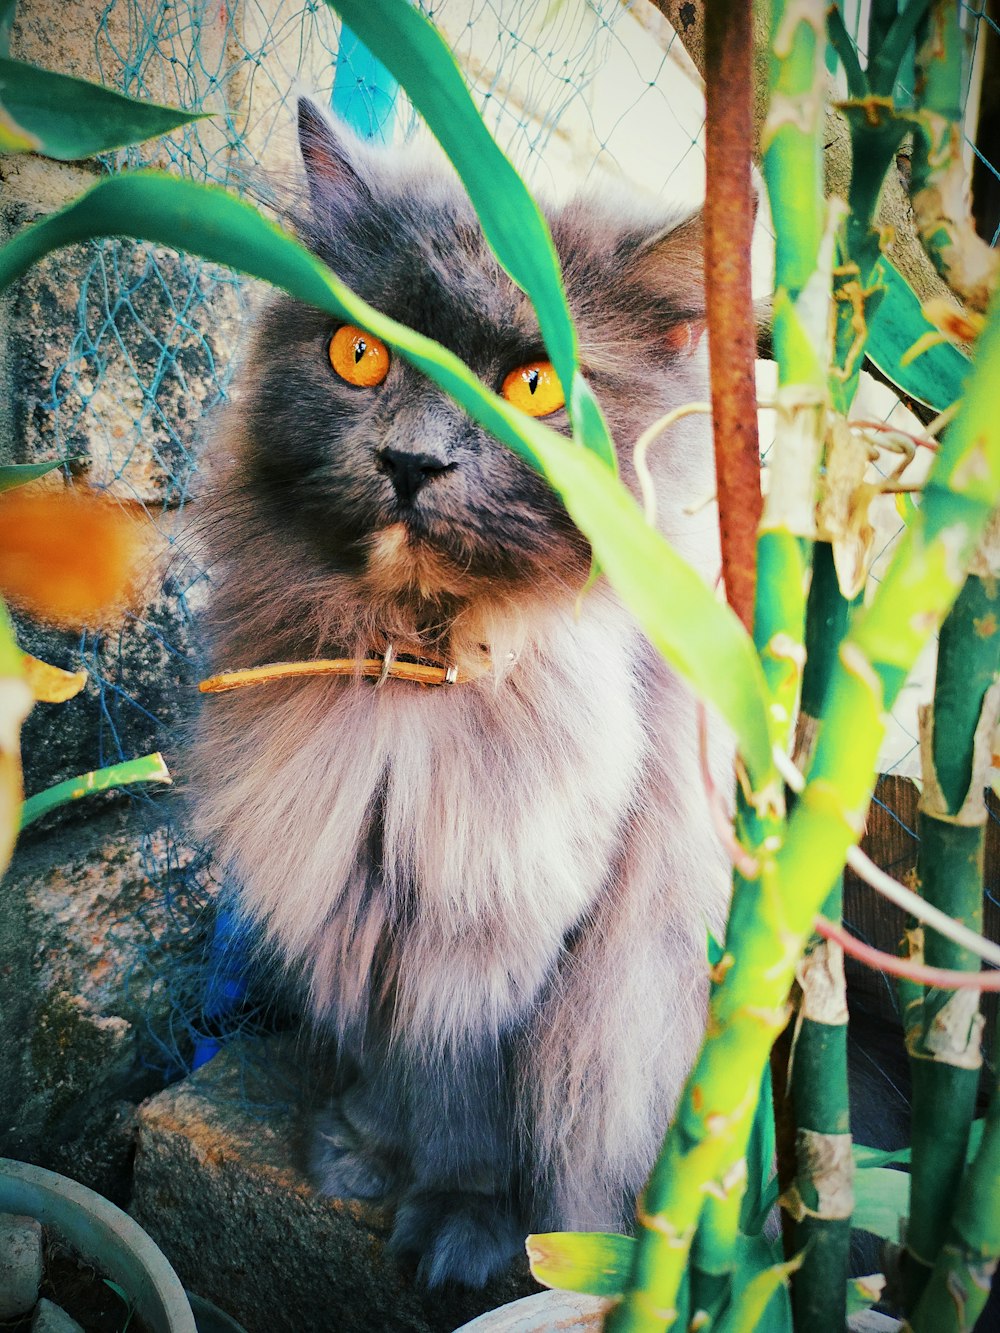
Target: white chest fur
x=442 y=841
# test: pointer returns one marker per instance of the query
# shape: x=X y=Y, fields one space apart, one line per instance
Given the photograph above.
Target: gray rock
x=20 y=1264
x=218 y=1187
x=95 y=960
x=51 y=1318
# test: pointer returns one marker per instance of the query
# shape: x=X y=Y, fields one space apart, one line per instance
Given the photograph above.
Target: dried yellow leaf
x=50 y=684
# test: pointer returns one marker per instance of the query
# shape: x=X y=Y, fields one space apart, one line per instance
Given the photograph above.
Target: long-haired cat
x=496 y=891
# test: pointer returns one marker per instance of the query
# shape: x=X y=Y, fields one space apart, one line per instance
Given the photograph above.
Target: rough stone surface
x=127 y=45
x=52 y=1318
x=20 y=1264
x=89 y=947
x=217 y=1186
x=113 y=353
x=141 y=693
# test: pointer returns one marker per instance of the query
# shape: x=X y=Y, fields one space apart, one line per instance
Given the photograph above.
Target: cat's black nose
x=409 y=472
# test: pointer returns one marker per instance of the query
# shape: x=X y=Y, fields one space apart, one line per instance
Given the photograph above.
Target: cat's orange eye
x=534 y=388
x=358 y=357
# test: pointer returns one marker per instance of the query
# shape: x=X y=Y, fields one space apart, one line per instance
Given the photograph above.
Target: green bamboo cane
x=793 y=169
x=943 y=1027
x=772 y=914
x=939 y=187
x=959 y=1285
x=820 y=1200
x=877 y=128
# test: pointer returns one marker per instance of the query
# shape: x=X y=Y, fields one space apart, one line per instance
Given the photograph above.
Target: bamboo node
x=661 y=1224
x=826 y=1170
x=717 y=973
x=820 y=973
x=954 y=1036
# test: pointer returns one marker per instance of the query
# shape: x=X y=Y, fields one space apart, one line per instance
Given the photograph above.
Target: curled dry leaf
x=50 y=684
x=70 y=557
x=843 y=514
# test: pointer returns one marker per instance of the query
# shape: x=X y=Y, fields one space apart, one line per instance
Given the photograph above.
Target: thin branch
x=648 y=437
x=732 y=336
x=939 y=977
x=883 y=69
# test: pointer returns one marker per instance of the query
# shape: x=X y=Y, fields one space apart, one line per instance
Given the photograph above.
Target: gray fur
x=497 y=893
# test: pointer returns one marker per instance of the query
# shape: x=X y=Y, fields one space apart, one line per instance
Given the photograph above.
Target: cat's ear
x=670 y=266
x=330 y=169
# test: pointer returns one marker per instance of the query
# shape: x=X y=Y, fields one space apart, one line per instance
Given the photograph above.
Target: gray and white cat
x=496 y=892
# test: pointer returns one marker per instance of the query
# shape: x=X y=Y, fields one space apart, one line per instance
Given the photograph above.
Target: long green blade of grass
x=66 y=118
x=409 y=46
x=19 y=474
x=701 y=637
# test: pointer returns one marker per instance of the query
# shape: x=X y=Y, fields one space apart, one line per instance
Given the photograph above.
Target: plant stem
x=939 y=187
x=840 y=40
x=819 y=1201
x=882 y=14
x=943 y=1027
x=960 y=1282
x=729 y=218
x=822 y=1198
x=883 y=65
x=772 y=915
x=793 y=170
x=148 y=768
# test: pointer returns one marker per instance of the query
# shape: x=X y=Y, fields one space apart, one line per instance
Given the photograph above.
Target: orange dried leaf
x=71 y=557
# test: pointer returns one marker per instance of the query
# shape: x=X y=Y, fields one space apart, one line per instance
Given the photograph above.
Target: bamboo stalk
x=772 y=915
x=943 y=1027
x=939 y=186
x=793 y=169
x=960 y=1282
x=819 y=1201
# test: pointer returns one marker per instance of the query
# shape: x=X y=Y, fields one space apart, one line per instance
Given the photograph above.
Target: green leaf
x=11 y=656
x=18 y=474
x=7 y=8
x=934 y=378
x=15 y=703
x=590 y=1261
x=148 y=768
x=762 y=1181
x=409 y=46
x=881 y=1201
x=66 y=118
x=754 y=1308
x=698 y=635
x=865 y=1158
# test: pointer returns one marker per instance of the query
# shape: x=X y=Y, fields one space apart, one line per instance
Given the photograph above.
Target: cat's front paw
x=342 y=1165
x=456 y=1236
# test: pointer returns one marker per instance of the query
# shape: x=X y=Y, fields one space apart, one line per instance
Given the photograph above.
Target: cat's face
x=390 y=482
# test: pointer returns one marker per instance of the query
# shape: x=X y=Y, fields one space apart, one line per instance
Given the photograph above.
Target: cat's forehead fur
x=399 y=229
